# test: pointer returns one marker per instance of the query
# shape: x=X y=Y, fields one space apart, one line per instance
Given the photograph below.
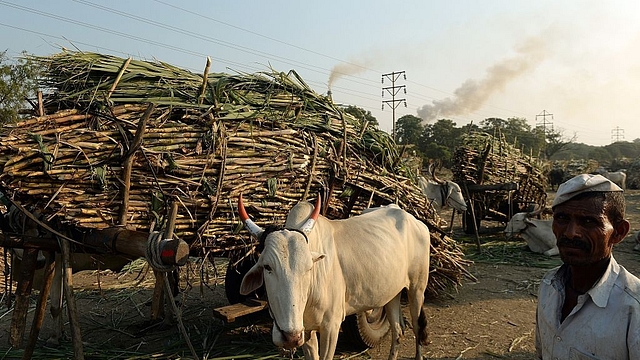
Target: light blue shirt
x=605 y=323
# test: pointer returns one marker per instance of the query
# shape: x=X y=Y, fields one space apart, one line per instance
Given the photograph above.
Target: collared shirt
x=605 y=323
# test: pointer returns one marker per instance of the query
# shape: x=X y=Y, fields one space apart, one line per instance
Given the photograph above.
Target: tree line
x=440 y=139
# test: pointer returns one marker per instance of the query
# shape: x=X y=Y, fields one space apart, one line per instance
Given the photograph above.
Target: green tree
x=623 y=149
x=440 y=139
x=600 y=154
x=555 y=142
x=18 y=82
x=408 y=130
x=493 y=126
x=362 y=114
x=438 y=152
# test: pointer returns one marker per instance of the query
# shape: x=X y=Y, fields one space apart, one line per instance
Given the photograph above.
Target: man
x=588 y=308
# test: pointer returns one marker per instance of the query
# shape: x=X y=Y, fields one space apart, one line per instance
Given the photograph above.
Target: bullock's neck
x=444 y=194
x=321 y=241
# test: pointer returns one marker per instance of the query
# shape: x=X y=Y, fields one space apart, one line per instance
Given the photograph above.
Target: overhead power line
x=306 y=65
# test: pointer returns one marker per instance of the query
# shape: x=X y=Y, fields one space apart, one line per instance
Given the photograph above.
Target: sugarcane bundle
x=124 y=138
x=486 y=159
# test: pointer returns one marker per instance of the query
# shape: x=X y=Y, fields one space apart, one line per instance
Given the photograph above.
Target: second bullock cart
x=498 y=179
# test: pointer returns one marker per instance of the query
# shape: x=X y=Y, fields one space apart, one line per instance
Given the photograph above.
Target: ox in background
x=618 y=177
x=442 y=193
x=556 y=177
x=536 y=232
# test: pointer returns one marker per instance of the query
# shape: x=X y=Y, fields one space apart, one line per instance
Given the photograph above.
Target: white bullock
x=618 y=177
x=442 y=194
x=317 y=271
x=537 y=233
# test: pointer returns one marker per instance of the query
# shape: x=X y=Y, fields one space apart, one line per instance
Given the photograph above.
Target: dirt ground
x=490 y=318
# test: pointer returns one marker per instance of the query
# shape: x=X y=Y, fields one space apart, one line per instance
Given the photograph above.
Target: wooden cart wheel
x=233 y=280
x=366 y=329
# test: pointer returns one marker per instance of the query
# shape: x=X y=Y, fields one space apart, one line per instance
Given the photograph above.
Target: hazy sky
x=464 y=60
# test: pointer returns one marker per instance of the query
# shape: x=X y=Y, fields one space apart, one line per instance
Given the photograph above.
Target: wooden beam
x=38 y=316
x=229 y=313
x=493 y=187
x=111 y=241
x=157 y=305
x=67 y=283
x=23 y=291
x=128 y=163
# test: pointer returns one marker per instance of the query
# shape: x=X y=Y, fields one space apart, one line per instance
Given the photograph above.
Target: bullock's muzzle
x=287 y=340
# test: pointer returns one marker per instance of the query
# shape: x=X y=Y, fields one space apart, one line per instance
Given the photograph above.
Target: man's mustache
x=564 y=241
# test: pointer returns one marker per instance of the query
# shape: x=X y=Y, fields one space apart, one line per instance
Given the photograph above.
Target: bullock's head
x=455 y=198
x=285 y=268
x=517 y=224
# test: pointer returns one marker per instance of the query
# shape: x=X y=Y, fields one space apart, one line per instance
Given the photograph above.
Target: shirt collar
x=602 y=289
x=600 y=292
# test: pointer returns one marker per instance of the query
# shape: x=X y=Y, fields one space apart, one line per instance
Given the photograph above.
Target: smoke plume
x=473 y=94
x=346 y=69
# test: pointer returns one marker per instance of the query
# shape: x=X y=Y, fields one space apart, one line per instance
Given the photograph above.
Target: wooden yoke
x=134 y=244
x=111 y=241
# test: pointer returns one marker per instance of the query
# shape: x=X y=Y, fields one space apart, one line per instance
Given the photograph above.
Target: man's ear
x=620 y=231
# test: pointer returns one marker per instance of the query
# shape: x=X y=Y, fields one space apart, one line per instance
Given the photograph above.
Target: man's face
x=584 y=232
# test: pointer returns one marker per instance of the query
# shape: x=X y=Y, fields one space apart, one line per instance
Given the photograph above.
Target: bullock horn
x=308 y=225
x=432 y=171
x=248 y=223
x=537 y=211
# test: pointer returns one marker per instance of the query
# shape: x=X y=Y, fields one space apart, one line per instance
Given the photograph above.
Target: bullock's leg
x=418 y=316
x=328 y=340
x=310 y=347
x=56 y=305
x=394 y=316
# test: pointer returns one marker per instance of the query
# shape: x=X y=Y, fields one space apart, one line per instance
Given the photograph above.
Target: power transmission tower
x=393 y=90
x=617 y=134
x=544 y=114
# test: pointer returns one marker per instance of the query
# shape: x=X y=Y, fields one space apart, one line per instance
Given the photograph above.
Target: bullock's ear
x=527 y=221
x=252 y=280
x=317 y=256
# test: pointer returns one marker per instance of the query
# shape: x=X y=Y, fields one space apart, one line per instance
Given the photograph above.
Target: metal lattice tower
x=617 y=134
x=393 y=90
x=543 y=123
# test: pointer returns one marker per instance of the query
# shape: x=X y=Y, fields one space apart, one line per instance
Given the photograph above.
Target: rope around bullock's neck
x=152 y=253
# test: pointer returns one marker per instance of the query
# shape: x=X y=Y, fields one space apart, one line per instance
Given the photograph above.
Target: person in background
x=589 y=307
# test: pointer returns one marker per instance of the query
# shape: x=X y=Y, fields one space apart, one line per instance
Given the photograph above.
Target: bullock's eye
x=268 y=268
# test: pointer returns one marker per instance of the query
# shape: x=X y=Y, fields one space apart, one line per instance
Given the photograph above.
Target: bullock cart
x=497 y=179
x=118 y=143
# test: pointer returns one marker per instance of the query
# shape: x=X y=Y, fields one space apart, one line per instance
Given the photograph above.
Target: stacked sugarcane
x=122 y=139
x=485 y=159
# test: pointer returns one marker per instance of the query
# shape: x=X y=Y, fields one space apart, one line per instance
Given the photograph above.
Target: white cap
x=581 y=184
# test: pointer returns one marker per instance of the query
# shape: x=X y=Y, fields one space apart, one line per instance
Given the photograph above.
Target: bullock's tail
x=422 y=328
